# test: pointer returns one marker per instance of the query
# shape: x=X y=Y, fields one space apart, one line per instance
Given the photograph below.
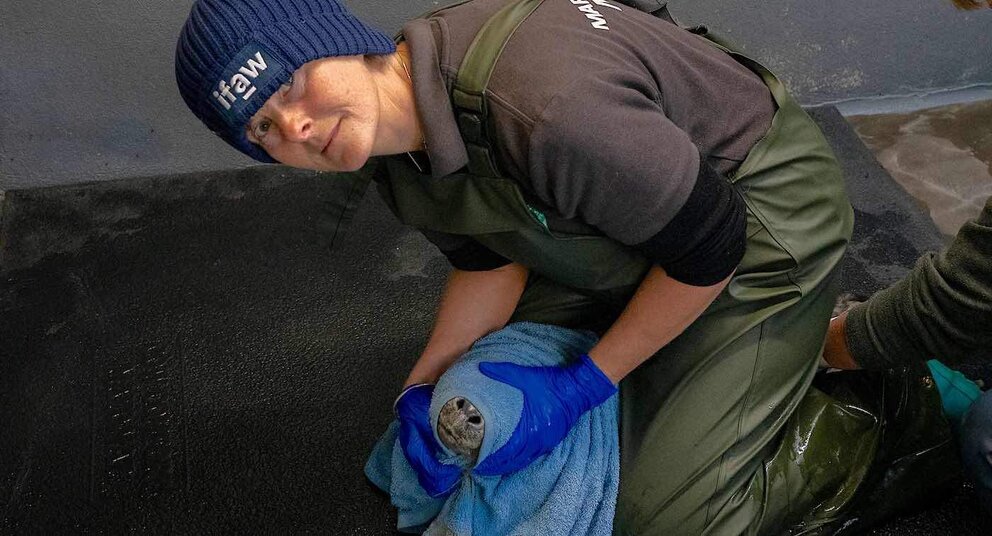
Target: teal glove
x=957 y=393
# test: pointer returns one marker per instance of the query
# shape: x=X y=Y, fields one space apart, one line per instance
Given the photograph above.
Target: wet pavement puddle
x=941 y=156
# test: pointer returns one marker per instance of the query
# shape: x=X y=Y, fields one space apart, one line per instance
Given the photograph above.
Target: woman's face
x=325 y=118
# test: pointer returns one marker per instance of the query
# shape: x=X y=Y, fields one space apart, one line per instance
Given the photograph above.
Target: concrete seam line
x=909 y=102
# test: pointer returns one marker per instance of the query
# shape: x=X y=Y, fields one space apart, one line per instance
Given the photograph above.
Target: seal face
x=461 y=427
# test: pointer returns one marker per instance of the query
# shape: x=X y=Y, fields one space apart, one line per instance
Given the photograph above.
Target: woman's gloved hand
x=412 y=408
x=554 y=399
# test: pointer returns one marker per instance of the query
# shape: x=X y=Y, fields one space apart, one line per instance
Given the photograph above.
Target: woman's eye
x=261 y=128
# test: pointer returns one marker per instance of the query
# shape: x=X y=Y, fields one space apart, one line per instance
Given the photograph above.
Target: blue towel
x=572 y=490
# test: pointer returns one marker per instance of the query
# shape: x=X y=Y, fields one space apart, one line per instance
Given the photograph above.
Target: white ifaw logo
x=241 y=82
x=596 y=18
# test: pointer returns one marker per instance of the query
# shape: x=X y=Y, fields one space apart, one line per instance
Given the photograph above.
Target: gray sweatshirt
x=606 y=115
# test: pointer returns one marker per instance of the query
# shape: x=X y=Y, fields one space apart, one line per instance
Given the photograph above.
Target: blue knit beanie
x=232 y=55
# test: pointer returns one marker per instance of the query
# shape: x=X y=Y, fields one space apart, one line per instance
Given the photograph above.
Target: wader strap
x=468 y=95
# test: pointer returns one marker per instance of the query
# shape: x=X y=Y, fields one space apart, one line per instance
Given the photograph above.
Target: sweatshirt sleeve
x=605 y=152
x=941 y=310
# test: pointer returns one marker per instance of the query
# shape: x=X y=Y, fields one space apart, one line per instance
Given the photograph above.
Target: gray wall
x=88 y=94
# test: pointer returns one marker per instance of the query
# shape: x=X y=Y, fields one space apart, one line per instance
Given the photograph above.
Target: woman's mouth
x=334 y=134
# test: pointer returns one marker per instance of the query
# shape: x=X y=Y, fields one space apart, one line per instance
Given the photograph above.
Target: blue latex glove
x=412 y=408
x=554 y=399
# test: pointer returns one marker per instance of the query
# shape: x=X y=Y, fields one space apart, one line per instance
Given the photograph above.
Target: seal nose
x=461 y=427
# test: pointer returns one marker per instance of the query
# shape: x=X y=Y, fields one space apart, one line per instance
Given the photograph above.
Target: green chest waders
x=707 y=443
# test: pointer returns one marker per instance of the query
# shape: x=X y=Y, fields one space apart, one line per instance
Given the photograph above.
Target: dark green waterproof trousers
x=721 y=431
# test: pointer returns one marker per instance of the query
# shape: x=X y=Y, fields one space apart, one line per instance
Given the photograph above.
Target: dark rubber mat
x=217 y=353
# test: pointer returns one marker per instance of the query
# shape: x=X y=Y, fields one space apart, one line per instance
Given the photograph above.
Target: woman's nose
x=295 y=126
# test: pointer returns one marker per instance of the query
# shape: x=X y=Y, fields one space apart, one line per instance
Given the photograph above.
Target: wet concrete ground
x=941 y=156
